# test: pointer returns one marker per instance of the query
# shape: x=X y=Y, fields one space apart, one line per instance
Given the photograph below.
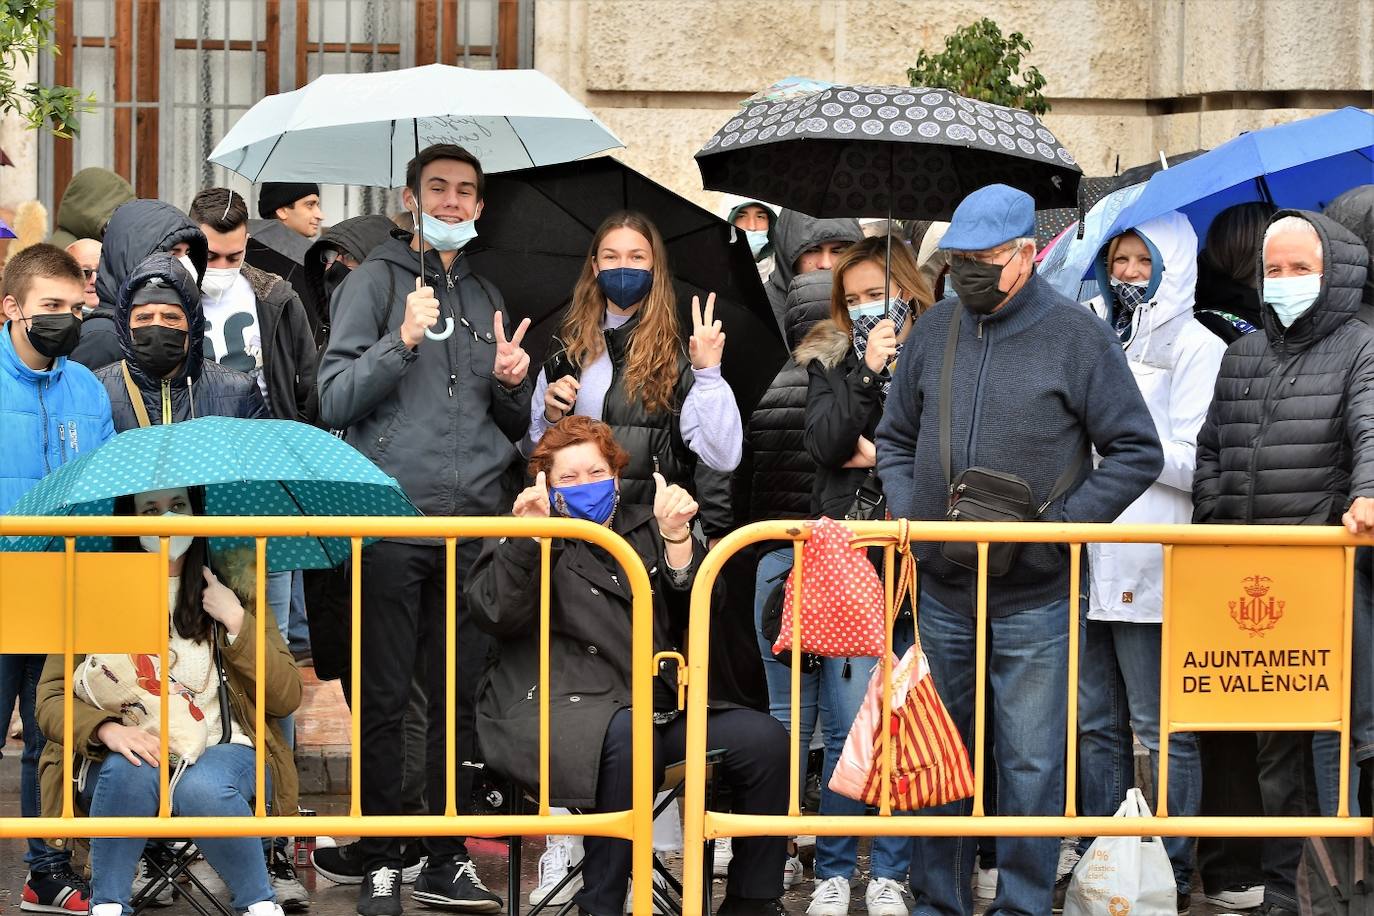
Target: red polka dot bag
x=842 y=603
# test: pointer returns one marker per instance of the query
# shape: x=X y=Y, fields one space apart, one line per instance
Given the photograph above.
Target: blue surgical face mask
x=442 y=236
x=1289 y=297
x=595 y=501
x=758 y=240
x=625 y=286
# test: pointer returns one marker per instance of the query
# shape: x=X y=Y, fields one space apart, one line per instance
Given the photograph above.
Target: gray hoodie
x=795 y=234
x=433 y=417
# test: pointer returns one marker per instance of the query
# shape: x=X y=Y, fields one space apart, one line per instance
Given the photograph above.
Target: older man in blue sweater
x=1033 y=379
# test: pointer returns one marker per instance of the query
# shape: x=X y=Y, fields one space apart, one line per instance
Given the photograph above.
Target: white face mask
x=177 y=546
x=188 y=264
x=218 y=280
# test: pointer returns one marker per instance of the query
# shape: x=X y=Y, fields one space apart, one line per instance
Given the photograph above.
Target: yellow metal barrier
x=1320 y=560
x=105 y=623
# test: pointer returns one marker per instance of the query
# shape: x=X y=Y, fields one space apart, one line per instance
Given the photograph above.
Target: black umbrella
x=537 y=226
x=883 y=150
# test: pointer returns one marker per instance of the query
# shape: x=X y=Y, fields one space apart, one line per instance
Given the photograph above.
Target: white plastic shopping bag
x=1124 y=875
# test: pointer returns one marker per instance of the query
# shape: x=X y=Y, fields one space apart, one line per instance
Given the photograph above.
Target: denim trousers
x=1027 y=657
x=1118 y=694
x=219 y=784
x=19 y=675
x=835 y=692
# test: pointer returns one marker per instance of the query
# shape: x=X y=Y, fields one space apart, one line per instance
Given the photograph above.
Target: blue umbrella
x=5 y=231
x=247 y=467
x=1303 y=164
x=1069 y=263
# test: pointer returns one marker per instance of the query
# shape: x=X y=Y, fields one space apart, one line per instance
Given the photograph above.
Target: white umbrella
x=362 y=128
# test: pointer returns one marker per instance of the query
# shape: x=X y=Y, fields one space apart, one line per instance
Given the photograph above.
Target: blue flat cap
x=989 y=217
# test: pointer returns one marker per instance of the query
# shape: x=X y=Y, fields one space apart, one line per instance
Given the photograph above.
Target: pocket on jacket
x=481 y=354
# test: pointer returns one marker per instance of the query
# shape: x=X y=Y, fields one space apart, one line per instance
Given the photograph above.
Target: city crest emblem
x=1256 y=612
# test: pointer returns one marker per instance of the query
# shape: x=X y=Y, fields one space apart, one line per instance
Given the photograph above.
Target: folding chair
x=175 y=867
x=667 y=896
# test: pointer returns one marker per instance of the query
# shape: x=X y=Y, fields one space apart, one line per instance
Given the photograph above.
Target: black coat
x=201 y=389
x=843 y=402
x=1289 y=438
x=99 y=344
x=779 y=474
x=289 y=358
x=589 y=658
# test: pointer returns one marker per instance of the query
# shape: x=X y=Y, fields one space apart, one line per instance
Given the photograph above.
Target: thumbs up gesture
x=533 y=501
x=674 y=508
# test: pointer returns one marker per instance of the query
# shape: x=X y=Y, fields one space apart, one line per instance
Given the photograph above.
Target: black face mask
x=53 y=335
x=336 y=274
x=976 y=284
x=159 y=349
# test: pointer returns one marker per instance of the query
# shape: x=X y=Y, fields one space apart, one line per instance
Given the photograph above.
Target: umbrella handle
x=448 y=331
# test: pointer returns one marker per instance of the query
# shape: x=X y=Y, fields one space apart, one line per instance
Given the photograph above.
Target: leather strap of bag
x=906 y=564
x=135 y=396
x=1062 y=483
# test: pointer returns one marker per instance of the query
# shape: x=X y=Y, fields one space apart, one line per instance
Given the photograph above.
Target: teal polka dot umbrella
x=247 y=467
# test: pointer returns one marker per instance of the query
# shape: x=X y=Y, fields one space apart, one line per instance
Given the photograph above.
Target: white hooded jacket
x=1175 y=361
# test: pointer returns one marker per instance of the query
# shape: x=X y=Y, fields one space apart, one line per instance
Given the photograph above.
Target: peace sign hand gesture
x=512 y=362
x=708 y=340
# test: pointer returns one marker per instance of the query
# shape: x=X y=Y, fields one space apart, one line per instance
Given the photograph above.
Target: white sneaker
x=107 y=909
x=721 y=866
x=206 y=874
x=562 y=853
x=1239 y=897
x=660 y=884
x=264 y=908
x=831 y=898
x=884 y=898
x=985 y=883
x=792 y=872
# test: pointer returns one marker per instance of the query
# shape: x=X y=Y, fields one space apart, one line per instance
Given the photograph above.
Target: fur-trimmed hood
x=827 y=342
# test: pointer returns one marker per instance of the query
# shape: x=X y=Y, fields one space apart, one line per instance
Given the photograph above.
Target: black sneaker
x=1061 y=890
x=380 y=894
x=1185 y=904
x=291 y=894
x=743 y=906
x=451 y=884
x=345 y=865
x=60 y=890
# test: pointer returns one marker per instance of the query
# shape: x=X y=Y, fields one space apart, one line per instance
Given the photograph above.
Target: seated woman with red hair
x=576 y=469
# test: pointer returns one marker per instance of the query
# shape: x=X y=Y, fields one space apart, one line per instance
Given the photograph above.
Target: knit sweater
x=1030 y=383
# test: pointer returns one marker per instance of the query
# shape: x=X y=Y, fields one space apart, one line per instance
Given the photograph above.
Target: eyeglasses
x=89 y=273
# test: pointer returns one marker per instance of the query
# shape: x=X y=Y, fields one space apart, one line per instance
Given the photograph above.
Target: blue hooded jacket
x=48 y=418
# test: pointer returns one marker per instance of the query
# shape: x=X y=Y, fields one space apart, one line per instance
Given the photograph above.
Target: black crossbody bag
x=983 y=494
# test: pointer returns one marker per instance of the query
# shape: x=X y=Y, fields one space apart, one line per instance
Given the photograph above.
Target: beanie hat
x=275 y=194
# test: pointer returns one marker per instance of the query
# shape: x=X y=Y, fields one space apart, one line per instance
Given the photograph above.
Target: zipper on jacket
x=166 y=402
x=977 y=400
x=62 y=440
x=43 y=411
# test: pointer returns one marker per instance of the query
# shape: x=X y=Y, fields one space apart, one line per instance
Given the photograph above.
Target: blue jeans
x=1028 y=658
x=1118 y=693
x=836 y=691
x=298 y=635
x=19 y=675
x=219 y=784
x=279 y=599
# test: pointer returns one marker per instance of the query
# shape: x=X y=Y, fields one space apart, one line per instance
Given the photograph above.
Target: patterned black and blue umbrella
x=885 y=151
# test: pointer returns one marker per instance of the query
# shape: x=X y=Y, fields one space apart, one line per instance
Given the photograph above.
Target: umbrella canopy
x=536 y=230
x=1303 y=164
x=885 y=151
x=248 y=467
x=5 y=231
x=361 y=128
x=1069 y=262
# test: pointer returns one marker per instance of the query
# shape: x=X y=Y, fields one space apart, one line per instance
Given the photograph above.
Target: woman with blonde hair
x=849 y=359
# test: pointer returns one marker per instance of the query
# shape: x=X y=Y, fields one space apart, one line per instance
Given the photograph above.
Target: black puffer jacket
x=797 y=233
x=1289 y=438
x=201 y=389
x=137 y=229
x=781 y=472
x=844 y=401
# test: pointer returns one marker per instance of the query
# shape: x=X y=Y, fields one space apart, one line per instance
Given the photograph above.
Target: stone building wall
x=1126 y=78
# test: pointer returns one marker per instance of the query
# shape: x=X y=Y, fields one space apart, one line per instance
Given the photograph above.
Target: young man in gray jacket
x=1034 y=379
x=439 y=415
